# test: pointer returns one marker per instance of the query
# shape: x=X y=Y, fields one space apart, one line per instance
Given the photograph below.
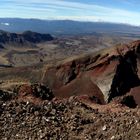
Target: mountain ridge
x=27 y=36
x=64 y=27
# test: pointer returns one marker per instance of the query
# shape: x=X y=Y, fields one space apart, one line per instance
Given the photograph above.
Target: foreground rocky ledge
x=72 y=119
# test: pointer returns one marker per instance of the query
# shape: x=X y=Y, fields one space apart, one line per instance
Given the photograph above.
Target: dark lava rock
x=36 y=90
x=42 y=91
x=1 y=46
x=36 y=37
x=28 y=36
x=129 y=101
x=5 y=96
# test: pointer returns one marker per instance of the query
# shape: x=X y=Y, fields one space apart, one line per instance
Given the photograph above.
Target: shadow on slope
x=126 y=75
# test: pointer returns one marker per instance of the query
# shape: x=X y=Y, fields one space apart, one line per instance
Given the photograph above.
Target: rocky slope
x=104 y=75
x=67 y=119
x=25 y=37
x=30 y=48
x=93 y=96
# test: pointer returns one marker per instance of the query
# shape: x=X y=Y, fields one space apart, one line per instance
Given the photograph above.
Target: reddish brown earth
x=88 y=97
x=98 y=75
x=135 y=92
x=75 y=118
x=94 y=74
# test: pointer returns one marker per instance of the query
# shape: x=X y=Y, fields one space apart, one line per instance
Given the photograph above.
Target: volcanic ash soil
x=69 y=119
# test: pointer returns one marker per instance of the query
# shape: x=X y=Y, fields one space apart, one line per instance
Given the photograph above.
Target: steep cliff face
x=126 y=75
x=104 y=75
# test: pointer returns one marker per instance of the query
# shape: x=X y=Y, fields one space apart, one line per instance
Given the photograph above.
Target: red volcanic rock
x=25 y=93
x=135 y=92
x=34 y=93
x=78 y=87
x=25 y=90
x=103 y=75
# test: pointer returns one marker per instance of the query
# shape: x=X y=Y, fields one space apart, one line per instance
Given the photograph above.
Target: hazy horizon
x=113 y=11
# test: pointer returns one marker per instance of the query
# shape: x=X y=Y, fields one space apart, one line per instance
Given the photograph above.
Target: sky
x=120 y=11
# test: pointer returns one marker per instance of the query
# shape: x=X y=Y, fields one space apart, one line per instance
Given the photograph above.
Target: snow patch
x=6 y=23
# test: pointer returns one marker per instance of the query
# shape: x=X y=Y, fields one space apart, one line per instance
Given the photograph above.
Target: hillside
x=32 y=48
x=28 y=36
x=105 y=73
x=92 y=96
x=102 y=75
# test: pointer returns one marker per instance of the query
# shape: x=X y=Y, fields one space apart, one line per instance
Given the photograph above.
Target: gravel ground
x=69 y=119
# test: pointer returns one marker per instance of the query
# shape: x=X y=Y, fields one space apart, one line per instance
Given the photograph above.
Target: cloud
x=61 y=9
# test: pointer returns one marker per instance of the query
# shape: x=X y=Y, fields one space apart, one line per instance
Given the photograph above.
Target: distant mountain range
x=27 y=36
x=64 y=27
